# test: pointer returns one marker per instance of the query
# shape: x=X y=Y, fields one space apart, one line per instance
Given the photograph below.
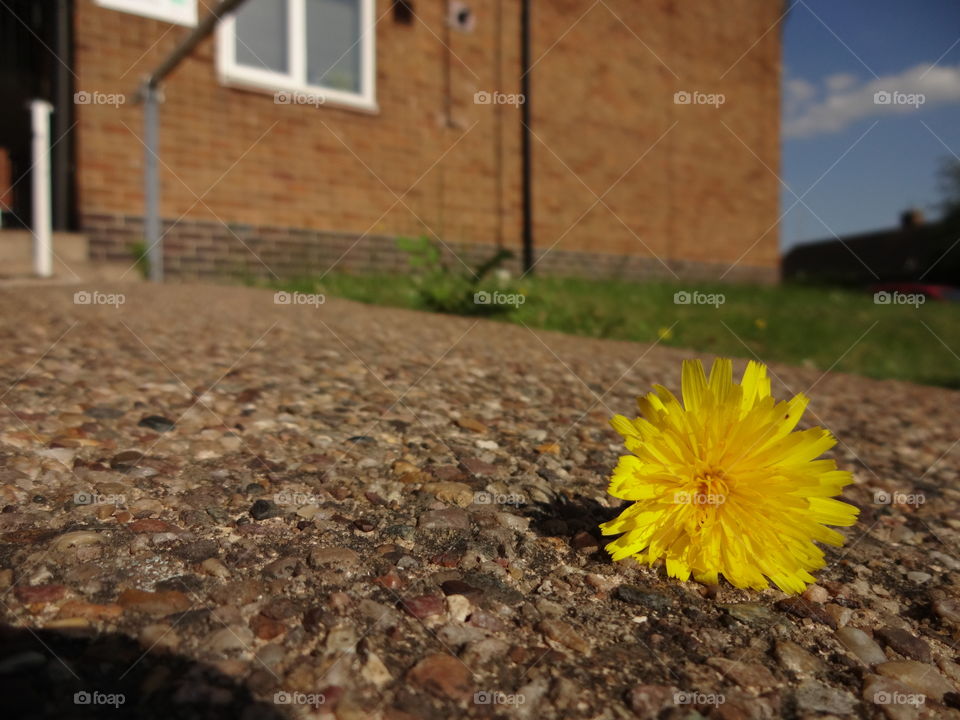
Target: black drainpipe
x=525 y=148
x=64 y=197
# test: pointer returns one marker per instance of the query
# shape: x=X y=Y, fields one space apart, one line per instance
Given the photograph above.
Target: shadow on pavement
x=66 y=674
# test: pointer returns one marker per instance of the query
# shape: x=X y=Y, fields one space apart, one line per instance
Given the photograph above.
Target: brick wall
x=299 y=184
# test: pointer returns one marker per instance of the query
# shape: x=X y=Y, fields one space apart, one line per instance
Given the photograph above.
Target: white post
x=42 y=213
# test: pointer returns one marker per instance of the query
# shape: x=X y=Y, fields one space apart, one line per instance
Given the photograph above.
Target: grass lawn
x=825 y=328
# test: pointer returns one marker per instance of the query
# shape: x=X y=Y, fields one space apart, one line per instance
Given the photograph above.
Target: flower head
x=722 y=484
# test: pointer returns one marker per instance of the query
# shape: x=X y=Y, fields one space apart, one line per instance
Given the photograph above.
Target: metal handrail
x=149 y=93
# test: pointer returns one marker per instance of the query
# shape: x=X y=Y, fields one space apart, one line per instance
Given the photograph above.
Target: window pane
x=262 y=35
x=333 y=44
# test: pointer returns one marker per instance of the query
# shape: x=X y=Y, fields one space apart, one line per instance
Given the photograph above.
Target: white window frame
x=243 y=76
x=180 y=13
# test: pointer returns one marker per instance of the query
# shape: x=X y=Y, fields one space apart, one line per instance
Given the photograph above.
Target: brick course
x=210 y=250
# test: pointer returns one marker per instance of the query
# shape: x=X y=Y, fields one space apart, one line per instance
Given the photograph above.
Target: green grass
x=825 y=328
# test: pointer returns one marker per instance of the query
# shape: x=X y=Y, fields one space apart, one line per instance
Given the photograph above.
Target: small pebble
x=816 y=594
x=443 y=676
x=817 y=697
x=948 y=610
x=905 y=643
x=565 y=634
x=446 y=518
x=228 y=639
x=423 y=606
x=637 y=596
x=794 y=658
x=861 y=645
x=921 y=677
x=157 y=423
x=264 y=509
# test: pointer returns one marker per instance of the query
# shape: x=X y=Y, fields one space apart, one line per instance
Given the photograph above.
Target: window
x=318 y=47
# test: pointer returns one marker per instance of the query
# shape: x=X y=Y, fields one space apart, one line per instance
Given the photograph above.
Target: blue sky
x=837 y=55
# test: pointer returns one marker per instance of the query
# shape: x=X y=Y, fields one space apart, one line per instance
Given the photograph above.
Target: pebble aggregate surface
x=214 y=505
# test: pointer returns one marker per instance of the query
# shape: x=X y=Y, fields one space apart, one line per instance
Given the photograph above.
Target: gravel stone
x=264 y=509
x=228 y=639
x=444 y=676
x=126 y=460
x=746 y=675
x=424 y=606
x=752 y=613
x=565 y=634
x=804 y=609
x=794 y=658
x=861 y=645
x=814 y=696
x=650 y=700
x=637 y=596
x=163 y=602
x=198 y=551
x=948 y=610
x=157 y=423
x=878 y=691
x=447 y=518
x=906 y=644
x=921 y=677
x=39 y=594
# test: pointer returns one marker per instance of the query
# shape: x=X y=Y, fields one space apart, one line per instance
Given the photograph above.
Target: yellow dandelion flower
x=665 y=333
x=723 y=485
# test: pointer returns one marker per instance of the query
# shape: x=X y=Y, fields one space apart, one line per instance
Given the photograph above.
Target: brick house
x=310 y=133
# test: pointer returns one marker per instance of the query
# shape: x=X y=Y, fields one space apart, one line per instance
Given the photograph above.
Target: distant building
x=915 y=251
x=295 y=143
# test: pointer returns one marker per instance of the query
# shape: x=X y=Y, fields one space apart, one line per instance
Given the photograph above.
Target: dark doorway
x=36 y=59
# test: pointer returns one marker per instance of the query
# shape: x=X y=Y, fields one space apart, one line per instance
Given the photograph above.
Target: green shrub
x=138 y=252
x=454 y=290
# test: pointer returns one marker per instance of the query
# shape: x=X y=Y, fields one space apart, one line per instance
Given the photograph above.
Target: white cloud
x=840 y=82
x=801 y=90
x=796 y=93
x=842 y=99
